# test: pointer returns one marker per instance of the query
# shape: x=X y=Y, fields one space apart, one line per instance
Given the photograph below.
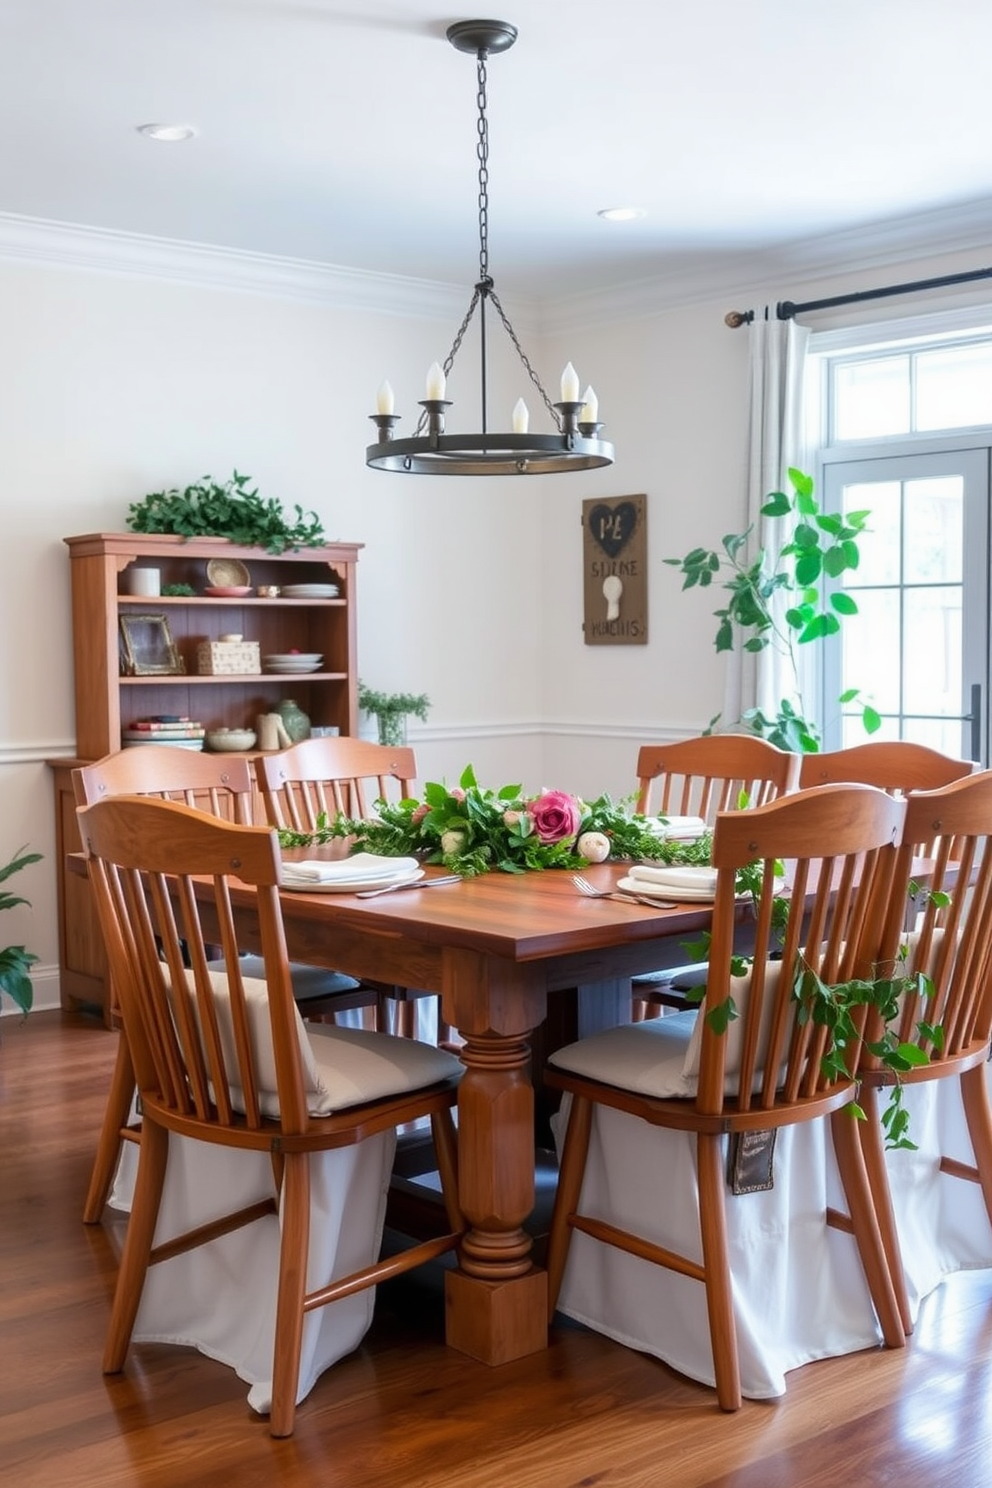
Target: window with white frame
x=907 y=436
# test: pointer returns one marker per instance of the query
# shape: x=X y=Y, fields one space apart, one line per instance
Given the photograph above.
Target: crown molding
x=770 y=272
x=775 y=273
x=62 y=245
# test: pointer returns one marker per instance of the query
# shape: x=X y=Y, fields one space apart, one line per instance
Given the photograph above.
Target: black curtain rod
x=786 y=309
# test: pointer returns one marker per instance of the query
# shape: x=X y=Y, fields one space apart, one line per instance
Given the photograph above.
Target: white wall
x=114 y=385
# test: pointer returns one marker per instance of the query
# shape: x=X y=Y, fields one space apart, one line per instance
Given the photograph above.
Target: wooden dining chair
x=761 y=1071
x=221 y=785
x=895 y=765
x=326 y=777
x=228 y=1061
x=711 y=773
x=952 y=943
x=319 y=779
x=701 y=777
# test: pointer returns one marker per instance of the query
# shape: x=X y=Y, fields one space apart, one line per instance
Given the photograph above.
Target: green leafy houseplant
x=208 y=509
x=390 y=709
x=15 y=960
x=818 y=549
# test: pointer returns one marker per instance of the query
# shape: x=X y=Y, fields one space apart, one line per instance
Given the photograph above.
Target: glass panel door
x=918 y=649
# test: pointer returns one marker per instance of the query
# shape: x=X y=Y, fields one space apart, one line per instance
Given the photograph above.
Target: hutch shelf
x=108 y=702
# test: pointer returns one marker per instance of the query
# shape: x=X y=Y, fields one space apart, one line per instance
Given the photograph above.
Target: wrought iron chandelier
x=430 y=451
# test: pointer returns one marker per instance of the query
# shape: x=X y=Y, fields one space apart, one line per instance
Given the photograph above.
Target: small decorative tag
x=750 y=1162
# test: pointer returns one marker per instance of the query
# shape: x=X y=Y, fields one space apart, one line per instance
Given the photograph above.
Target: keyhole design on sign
x=612 y=590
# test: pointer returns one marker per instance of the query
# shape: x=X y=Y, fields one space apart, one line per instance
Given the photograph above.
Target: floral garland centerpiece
x=471 y=829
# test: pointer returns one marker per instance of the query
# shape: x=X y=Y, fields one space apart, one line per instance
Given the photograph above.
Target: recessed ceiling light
x=621 y=214
x=170 y=134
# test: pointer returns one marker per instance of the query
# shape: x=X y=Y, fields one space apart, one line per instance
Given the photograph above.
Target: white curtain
x=778 y=362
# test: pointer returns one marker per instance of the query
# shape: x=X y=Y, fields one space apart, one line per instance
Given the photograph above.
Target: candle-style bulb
x=435 y=381
x=569 y=385
x=384 y=398
x=521 y=417
x=590 y=407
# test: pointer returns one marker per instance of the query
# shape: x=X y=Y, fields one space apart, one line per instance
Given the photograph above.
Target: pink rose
x=418 y=813
x=457 y=794
x=555 y=815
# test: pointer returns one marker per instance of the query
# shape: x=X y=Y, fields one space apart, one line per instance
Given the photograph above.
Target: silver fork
x=418 y=883
x=591 y=892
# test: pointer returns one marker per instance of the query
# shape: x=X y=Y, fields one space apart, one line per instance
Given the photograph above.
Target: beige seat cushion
x=740 y=991
x=342 y=1067
x=646 y=1058
x=660 y=1057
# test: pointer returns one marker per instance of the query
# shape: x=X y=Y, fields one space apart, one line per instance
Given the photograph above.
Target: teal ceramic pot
x=295 y=721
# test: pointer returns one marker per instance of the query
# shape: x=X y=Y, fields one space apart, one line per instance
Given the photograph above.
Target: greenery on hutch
x=232 y=510
x=15 y=960
x=818 y=549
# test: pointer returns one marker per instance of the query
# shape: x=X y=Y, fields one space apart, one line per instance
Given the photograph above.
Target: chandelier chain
x=482 y=150
x=455 y=345
x=535 y=379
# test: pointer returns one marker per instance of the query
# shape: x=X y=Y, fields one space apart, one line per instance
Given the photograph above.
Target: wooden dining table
x=494 y=948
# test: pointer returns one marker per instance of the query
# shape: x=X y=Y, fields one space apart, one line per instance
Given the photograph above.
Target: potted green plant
x=15 y=960
x=208 y=509
x=817 y=549
x=391 y=709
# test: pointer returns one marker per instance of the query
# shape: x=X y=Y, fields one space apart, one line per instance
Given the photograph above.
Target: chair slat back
x=161 y=875
x=896 y=765
x=220 y=784
x=839 y=844
x=331 y=777
x=701 y=777
x=952 y=937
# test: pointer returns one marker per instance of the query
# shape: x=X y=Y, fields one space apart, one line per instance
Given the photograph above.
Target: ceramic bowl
x=226 y=740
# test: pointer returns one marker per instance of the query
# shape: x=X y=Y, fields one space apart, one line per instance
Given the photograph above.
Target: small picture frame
x=147 y=647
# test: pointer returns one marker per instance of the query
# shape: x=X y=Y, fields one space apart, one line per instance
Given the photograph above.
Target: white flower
x=452 y=842
x=594 y=846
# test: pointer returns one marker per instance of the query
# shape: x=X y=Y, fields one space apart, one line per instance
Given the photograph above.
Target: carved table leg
x=497 y=1300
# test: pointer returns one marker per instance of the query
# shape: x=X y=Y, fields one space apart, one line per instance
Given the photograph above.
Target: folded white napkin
x=678 y=827
x=689 y=877
x=349 y=870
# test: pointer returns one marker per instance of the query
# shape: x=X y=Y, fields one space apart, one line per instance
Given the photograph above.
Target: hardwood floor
x=403 y=1410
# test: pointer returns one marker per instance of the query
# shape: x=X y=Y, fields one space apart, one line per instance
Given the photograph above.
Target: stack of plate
x=171 y=729
x=350 y=875
x=292 y=662
x=310 y=591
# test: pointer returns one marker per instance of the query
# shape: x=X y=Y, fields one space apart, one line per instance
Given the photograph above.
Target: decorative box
x=227 y=658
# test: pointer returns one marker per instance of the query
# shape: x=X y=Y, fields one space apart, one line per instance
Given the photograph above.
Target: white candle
x=435 y=381
x=521 y=417
x=590 y=407
x=384 y=398
x=569 y=385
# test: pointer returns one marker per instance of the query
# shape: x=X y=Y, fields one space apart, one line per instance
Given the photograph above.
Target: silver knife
x=418 y=883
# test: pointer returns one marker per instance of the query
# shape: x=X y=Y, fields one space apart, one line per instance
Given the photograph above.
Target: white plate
x=351 y=885
x=310 y=591
x=173 y=743
x=296 y=671
x=294 y=658
x=678 y=893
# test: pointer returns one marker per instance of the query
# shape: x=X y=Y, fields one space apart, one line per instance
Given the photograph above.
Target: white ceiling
x=345 y=133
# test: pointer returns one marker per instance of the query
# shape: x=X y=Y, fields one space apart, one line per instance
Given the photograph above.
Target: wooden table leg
x=497 y=1299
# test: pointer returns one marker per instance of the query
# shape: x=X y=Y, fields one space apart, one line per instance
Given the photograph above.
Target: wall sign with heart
x=613 y=526
x=614 y=582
